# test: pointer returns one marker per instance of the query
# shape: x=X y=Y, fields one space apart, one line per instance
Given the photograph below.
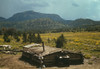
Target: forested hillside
x=2 y=19
x=29 y=15
x=30 y=20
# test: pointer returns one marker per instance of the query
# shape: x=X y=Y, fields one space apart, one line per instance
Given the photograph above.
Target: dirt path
x=13 y=62
x=88 y=64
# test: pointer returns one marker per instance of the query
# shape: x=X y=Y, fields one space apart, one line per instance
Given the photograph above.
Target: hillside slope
x=29 y=15
x=35 y=24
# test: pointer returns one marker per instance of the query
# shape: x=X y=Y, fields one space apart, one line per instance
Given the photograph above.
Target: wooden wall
x=51 y=59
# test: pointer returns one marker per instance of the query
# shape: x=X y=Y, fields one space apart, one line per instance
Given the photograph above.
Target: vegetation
x=29 y=15
x=30 y=38
x=5 y=37
x=38 y=39
x=24 y=37
x=86 y=42
x=60 y=41
x=44 y=23
x=81 y=35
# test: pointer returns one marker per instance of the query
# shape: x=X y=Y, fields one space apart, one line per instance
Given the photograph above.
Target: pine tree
x=24 y=37
x=33 y=37
x=38 y=40
x=60 y=41
x=0 y=32
x=5 y=37
x=30 y=38
x=17 y=38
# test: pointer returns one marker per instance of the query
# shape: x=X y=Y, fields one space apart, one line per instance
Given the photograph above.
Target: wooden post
x=43 y=46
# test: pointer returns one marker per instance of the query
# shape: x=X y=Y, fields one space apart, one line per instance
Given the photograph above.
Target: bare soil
x=14 y=62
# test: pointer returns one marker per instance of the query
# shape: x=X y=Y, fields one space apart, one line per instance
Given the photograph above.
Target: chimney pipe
x=43 y=46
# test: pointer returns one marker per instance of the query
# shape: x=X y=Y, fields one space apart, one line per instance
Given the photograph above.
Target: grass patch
x=86 y=42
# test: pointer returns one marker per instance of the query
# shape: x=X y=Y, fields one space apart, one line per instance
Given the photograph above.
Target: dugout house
x=50 y=56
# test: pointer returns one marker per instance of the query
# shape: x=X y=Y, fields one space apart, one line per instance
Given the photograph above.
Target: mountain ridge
x=31 y=20
x=2 y=18
x=29 y=15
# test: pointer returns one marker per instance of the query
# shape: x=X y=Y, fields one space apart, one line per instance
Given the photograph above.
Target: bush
x=87 y=56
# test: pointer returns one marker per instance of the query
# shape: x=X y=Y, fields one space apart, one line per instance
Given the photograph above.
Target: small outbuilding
x=50 y=56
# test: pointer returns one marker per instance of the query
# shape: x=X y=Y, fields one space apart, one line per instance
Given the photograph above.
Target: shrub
x=87 y=56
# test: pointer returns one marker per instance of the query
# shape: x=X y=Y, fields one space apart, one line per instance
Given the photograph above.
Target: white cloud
x=68 y=9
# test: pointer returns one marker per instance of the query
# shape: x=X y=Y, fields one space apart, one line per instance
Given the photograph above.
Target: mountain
x=29 y=15
x=39 y=24
x=2 y=19
x=30 y=20
x=83 y=23
x=35 y=24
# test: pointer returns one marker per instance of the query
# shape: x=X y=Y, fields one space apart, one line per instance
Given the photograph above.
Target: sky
x=67 y=9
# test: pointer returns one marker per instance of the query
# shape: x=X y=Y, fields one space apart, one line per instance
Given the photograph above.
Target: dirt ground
x=13 y=62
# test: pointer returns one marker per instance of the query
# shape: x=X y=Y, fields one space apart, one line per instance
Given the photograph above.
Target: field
x=86 y=42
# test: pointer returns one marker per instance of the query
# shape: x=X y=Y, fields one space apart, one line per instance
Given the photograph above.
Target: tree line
x=26 y=36
x=30 y=37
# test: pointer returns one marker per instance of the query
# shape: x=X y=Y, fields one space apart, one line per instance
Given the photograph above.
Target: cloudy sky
x=67 y=9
